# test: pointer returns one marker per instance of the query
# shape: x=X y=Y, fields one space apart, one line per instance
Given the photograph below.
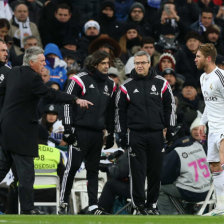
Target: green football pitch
x=79 y=219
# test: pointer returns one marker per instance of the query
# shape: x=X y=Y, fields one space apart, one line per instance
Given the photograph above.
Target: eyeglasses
x=141 y=62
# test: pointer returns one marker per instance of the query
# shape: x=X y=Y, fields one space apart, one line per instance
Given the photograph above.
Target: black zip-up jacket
x=97 y=88
x=145 y=103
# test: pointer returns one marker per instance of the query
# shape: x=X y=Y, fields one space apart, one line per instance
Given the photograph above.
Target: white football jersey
x=212 y=87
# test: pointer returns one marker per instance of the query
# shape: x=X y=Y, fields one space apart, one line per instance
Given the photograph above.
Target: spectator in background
x=206 y=19
x=114 y=74
x=170 y=18
x=167 y=40
x=108 y=22
x=185 y=56
x=91 y=32
x=188 y=105
x=50 y=120
x=69 y=49
x=176 y=84
x=111 y=46
x=4 y=28
x=213 y=35
x=71 y=62
x=148 y=45
x=130 y=42
x=179 y=177
x=59 y=28
x=34 y=7
x=21 y=27
x=166 y=60
x=28 y=42
x=55 y=64
x=220 y=61
x=136 y=15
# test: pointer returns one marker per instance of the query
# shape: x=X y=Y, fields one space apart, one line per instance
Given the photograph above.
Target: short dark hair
x=94 y=59
x=98 y=56
x=29 y=38
x=4 y=23
x=63 y=6
x=20 y=3
x=147 y=40
x=207 y=10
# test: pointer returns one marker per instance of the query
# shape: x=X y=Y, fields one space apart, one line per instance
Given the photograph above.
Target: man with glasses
x=137 y=17
x=144 y=107
x=93 y=83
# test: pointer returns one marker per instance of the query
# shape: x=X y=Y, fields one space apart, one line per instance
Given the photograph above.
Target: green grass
x=122 y=219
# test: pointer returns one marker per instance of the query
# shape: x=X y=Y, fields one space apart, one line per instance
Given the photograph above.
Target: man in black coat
x=23 y=88
x=4 y=68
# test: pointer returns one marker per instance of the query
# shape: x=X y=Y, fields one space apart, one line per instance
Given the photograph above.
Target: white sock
x=218 y=178
x=92 y=207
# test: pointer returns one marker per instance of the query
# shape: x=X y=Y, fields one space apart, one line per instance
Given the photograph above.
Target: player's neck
x=209 y=68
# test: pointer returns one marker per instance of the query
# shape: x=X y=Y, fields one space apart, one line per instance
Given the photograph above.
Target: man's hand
x=109 y=141
x=201 y=132
x=83 y=103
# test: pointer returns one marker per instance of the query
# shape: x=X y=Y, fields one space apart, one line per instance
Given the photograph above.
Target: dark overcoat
x=23 y=88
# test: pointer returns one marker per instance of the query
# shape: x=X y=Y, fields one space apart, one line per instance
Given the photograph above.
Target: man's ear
x=209 y=58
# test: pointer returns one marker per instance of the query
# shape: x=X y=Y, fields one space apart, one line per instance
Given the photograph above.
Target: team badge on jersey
x=106 y=90
x=153 y=90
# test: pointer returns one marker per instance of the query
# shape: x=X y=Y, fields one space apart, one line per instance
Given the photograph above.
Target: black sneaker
x=63 y=209
x=97 y=211
x=32 y=212
x=141 y=210
x=153 y=211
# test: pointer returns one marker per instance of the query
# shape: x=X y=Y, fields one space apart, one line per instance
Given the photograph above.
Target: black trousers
x=145 y=154
x=89 y=150
x=111 y=189
x=25 y=172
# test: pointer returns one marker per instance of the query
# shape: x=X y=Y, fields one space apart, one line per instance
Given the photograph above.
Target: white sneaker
x=215 y=212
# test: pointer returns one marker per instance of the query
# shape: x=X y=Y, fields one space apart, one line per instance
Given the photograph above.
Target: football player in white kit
x=212 y=86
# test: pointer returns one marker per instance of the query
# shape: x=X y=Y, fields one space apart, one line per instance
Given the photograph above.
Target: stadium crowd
x=86 y=42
